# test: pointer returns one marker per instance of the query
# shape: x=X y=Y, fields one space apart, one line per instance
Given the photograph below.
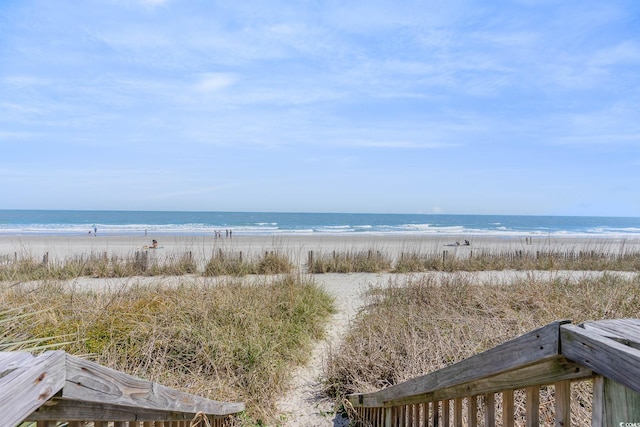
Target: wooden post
x=563 y=404
x=388 y=412
x=614 y=404
x=310 y=262
x=45 y=259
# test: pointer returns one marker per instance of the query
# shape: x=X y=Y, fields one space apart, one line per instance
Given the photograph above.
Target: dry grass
x=409 y=329
x=231 y=341
x=483 y=260
x=371 y=261
x=234 y=264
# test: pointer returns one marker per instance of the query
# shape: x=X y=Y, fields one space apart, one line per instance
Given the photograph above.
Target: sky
x=525 y=107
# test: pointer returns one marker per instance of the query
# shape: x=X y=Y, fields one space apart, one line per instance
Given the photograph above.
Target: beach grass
x=234 y=264
x=425 y=323
x=365 y=261
x=597 y=257
x=230 y=341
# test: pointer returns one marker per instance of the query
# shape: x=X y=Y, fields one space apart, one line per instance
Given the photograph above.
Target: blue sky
x=457 y=106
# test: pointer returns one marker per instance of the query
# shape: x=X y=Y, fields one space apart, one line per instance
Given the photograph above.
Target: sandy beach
x=297 y=247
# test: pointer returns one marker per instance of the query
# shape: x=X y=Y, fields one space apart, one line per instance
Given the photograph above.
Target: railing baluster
x=445 y=414
x=563 y=404
x=472 y=411
x=457 y=412
x=533 y=406
x=489 y=410
x=507 y=408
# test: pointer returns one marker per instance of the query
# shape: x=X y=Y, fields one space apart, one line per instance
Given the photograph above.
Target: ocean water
x=67 y=222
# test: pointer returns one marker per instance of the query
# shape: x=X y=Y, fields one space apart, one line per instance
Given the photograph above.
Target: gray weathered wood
x=490 y=410
x=56 y=386
x=547 y=372
x=534 y=347
x=533 y=406
x=614 y=404
x=27 y=382
x=563 y=404
x=90 y=382
x=603 y=355
x=507 y=408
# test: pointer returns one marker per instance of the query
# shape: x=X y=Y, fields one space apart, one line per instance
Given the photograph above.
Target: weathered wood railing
x=55 y=387
x=607 y=352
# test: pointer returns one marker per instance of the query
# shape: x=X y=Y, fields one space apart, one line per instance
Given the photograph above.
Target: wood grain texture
x=90 y=382
x=27 y=382
x=606 y=356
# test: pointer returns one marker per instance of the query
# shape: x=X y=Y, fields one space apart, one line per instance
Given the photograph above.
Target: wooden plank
x=619 y=405
x=76 y=410
x=622 y=330
x=457 y=412
x=472 y=411
x=90 y=382
x=507 y=408
x=446 y=414
x=597 y=417
x=603 y=355
x=533 y=406
x=28 y=382
x=532 y=347
x=490 y=410
x=547 y=372
x=563 y=404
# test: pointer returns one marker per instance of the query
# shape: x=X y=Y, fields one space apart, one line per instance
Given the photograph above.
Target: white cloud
x=213 y=82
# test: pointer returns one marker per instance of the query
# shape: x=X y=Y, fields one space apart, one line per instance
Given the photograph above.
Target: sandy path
x=305 y=405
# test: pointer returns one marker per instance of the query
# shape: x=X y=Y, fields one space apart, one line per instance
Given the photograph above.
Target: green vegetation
x=424 y=324
x=230 y=341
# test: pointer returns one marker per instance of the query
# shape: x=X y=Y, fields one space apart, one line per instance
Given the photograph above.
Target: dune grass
x=424 y=324
x=233 y=264
x=483 y=260
x=368 y=261
x=232 y=341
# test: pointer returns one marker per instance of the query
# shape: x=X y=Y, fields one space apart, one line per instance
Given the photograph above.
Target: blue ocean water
x=67 y=222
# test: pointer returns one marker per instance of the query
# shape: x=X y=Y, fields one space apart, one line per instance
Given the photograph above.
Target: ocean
x=78 y=222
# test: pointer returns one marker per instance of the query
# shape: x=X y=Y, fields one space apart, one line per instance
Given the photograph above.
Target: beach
x=305 y=404
x=297 y=247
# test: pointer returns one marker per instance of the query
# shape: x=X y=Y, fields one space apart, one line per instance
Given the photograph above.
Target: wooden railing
x=606 y=352
x=55 y=388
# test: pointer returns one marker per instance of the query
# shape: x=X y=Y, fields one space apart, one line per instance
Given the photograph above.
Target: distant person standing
x=95 y=231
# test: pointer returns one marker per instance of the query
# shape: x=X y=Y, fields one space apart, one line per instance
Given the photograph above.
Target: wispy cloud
x=213 y=82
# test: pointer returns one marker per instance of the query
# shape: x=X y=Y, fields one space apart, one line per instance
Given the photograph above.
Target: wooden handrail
x=58 y=386
x=555 y=354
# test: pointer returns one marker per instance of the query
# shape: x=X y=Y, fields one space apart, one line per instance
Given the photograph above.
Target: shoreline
x=60 y=247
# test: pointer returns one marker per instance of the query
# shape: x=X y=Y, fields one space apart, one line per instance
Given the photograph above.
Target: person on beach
x=154 y=244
